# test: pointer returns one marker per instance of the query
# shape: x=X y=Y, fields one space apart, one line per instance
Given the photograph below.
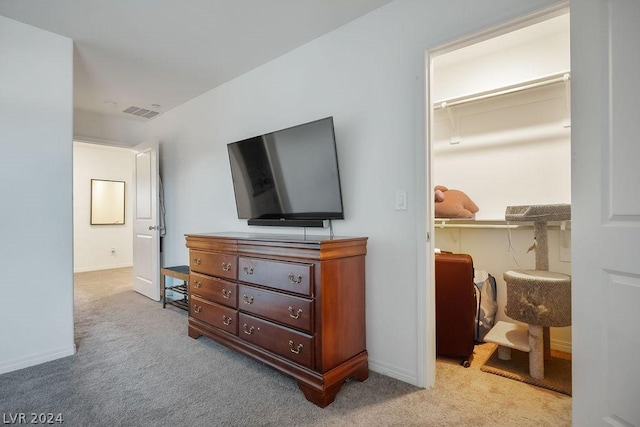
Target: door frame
x=426 y=371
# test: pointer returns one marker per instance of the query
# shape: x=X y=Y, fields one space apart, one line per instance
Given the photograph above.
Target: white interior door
x=606 y=204
x=146 y=236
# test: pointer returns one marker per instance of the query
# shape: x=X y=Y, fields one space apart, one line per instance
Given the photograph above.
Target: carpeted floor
x=136 y=366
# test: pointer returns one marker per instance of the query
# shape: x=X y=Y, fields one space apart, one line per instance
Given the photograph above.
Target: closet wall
x=512 y=149
x=506 y=150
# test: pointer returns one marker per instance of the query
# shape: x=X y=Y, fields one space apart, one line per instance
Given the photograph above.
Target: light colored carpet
x=136 y=366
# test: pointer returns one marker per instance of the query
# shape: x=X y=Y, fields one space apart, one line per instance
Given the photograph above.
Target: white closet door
x=146 y=239
x=606 y=205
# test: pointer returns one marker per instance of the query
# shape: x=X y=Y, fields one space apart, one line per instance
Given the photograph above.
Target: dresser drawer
x=292 y=311
x=287 y=276
x=277 y=339
x=214 y=314
x=214 y=264
x=214 y=289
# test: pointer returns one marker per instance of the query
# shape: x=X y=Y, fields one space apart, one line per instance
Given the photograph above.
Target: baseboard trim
x=564 y=346
x=393 y=372
x=101 y=267
x=37 y=359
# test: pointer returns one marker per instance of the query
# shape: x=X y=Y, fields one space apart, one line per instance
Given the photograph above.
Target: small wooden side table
x=180 y=272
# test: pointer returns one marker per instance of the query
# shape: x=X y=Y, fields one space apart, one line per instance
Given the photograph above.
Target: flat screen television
x=289 y=177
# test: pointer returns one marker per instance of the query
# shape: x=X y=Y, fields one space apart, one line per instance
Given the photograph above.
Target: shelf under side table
x=180 y=272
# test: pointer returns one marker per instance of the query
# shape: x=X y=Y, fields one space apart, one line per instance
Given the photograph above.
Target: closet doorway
x=500 y=131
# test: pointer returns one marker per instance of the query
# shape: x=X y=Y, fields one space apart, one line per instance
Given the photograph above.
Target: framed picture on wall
x=107 y=202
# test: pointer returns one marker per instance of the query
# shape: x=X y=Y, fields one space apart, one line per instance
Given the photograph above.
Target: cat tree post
x=542 y=263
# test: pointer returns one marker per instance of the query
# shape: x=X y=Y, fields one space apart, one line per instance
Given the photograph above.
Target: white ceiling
x=164 y=52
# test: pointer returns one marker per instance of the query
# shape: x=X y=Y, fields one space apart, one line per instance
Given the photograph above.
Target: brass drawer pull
x=247 y=299
x=197 y=284
x=225 y=266
x=294 y=279
x=248 y=270
x=248 y=330
x=226 y=320
x=226 y=294
x=295 y=316
x=197 y=308
x=197 y=261
x=295 y=350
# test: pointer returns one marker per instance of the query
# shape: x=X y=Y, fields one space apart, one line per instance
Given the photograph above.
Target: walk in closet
x=502 y=134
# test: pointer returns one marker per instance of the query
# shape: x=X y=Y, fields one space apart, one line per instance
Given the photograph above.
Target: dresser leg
x=362 y=373
x=193 y=333
x=321 y=398
x=357 y=368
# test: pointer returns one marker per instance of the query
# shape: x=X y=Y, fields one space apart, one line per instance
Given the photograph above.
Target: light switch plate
x=401 y=200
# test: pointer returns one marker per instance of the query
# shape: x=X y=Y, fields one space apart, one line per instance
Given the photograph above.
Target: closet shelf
x=497 y=224
x=564 y=76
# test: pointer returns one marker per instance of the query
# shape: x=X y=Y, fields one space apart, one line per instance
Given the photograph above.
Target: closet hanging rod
x=529 y=84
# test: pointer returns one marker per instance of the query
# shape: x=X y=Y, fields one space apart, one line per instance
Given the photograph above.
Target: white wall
x=512 y=151
x=515 y=149
x=36 y=258
x=93 y=244
x=369 y=75
x=521 y=55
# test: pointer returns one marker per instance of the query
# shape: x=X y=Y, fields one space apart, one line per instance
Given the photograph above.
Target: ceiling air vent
x=141 y=112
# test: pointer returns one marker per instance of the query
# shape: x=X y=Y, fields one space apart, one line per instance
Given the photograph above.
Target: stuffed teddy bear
x=454 y=204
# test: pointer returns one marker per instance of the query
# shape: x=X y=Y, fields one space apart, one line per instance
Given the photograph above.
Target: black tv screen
x=290 y=174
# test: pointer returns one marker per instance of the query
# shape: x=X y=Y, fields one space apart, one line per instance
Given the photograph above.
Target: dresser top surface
x=284 y=238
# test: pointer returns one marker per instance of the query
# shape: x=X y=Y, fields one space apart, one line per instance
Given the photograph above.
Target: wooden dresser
x=296 y=304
